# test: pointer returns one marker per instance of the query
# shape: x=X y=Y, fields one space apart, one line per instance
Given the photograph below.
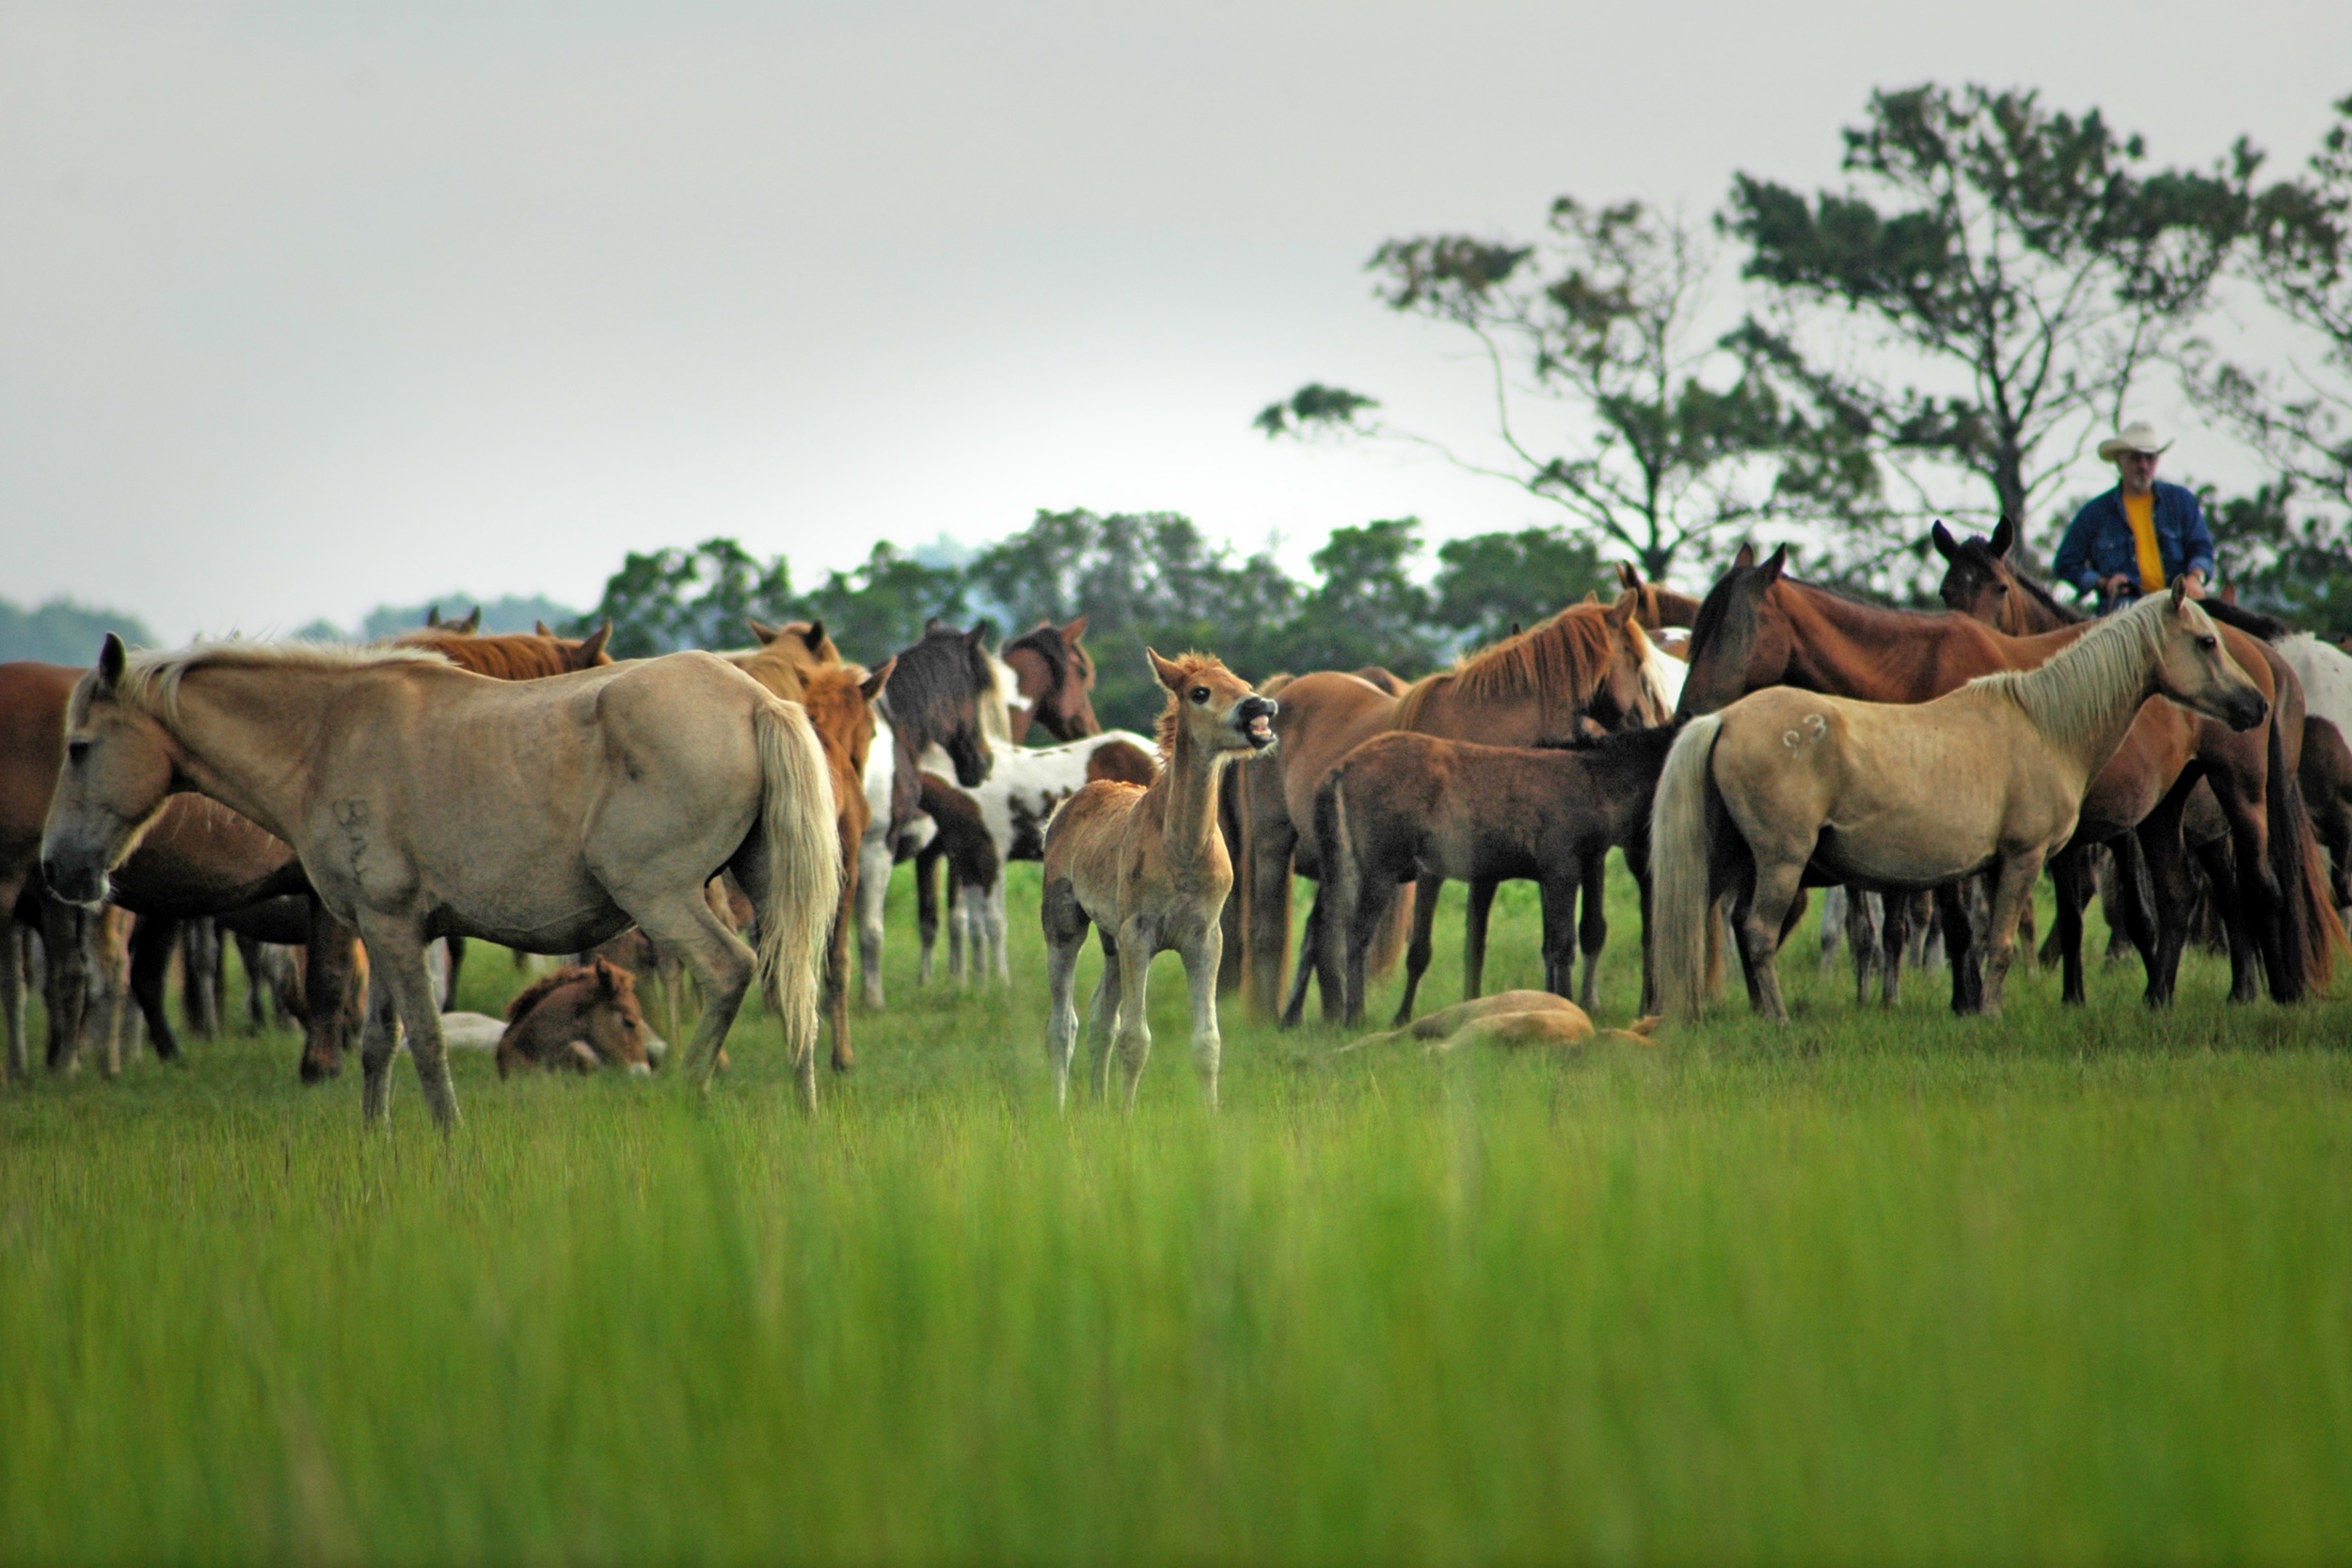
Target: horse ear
x=540 y=628
x=433 y=615
x=1628 y=578
x=608 y=979
x=2179 y=592
x=813 y=637
x=1074 y=630
x=872 y=687
x=592 y=646
x=1514 y=628
x=472 y=623
x=1619 y=613
x=979 y=634
x=1775 y=564
x=2004 y=537
x=1941 y=537
x=112 y=656
x=934 y=624
x=1170 y=674
x=1745 y=556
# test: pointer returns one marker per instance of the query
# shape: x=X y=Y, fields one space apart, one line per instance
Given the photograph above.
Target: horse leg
x=927 y=905
x=2133 y=908
x=330 y=987
x=1362 y=925
x=873 y=894
x=1417 y=955
x=200 y=968
x=1323 y=946
x=1836 y=911
x=998 y=930
x=2070 y=871
x=454 y=951
x=2012 y=887
x=960 y=951
x=1311 y=947
x=1893 y=942
x=1776 y=887
x=153 y=938
x=12 y=964
x=2221 y=876
x=837 y=1002
x=1103 y=1024
x=1960 y=947
x=396 y=963
x=1202 y=958
x=1559 y=942
x=2260 y=902
x=2175 y=891
x=1270 y=840
x=1592 y=926
x=63 y=929
x=1475 y=918
x=722 y=966
x=1065 y=927
x=1135 y=941
x=1865 y=917
x=379 y=1036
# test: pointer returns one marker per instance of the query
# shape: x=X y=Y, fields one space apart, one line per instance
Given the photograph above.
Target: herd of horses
x=339 y=812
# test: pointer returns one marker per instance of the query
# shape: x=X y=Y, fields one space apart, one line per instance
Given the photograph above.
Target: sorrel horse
x=32 y=746
x=944 y=691
x=1588 y=670
x=1055 y=676
x=582 y=1018
x=1758 y=629
x=1145 y=867
x=426 y=800
x=1403 y=805
x=1656 y=606
x=1897 y=796
x=2189 y=805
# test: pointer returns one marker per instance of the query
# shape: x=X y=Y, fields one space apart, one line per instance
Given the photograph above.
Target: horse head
x=2194 y=669
x=1055 y=675
x=1656 y=606
x=936 y=697
x=1210 y=707
x=582 y=1019
x=121 y=768
x=1628 y=696
x=1978 y=580
x=1739 y=640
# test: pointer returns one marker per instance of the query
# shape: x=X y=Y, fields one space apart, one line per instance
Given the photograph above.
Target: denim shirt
x=2099 y=544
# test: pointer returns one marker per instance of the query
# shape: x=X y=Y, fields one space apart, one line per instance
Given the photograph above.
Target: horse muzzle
x=1254 y=718
x=2244 y=710
x=74 y=880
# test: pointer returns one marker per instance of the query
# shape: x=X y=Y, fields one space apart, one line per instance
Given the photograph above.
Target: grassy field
x=1873 y=1288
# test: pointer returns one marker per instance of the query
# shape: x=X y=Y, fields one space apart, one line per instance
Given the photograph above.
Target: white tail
x=1682 y=899
x=796 y=819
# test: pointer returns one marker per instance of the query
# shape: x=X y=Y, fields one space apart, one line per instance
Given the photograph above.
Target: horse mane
x=1558 y=661
x=570 y=974
x=2083 y=685
x=933 y=679
x=2067 y=613
x=1187 y=666
x=996 y=706
x=1046 y=641
x=503 y=656
x=151 y=677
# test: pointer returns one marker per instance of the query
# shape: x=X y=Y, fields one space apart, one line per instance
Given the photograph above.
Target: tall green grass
x=1870 y=1287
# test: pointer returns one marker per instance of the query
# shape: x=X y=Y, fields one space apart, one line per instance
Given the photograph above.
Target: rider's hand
x=2116 y=586
x=2196 y=582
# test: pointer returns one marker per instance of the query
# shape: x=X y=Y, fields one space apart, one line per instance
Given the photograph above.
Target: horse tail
x=1682 y=897
x=2309 y=930
x=803 y=848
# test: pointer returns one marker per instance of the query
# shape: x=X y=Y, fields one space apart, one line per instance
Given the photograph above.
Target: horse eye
x=76 y=750
x=2000 y=588
x=2209 y=643
x=1200 y=694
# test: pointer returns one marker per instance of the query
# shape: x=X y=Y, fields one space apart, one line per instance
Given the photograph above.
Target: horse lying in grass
x=1403 y=806
x=582 y=1018
x=1901 y=796
x=425 y=802
x=1511 y=1019
x=1146 y=866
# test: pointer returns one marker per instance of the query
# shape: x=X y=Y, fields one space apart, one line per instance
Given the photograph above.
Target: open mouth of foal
x=1259 y=731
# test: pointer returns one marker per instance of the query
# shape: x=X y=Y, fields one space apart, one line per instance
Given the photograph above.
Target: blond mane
x=1559 y=661
x=2084 y=685
x=151 y=677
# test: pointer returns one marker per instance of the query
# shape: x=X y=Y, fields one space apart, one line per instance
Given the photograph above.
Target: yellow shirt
x=2141 y=511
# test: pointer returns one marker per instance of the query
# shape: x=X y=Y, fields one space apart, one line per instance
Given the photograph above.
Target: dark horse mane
x=1046 y=641
x=570 y=974
x=935 y=679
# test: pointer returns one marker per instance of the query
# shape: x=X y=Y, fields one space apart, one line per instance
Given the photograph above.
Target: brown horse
x=1758 y=629
x=1054 y=673
x=512 y=655
x=1403 y=805
x=580 y=1018
x=1146 y=868
x=1982 y=581
x=1583 y=672
x=1656 y=606
x=32 y=745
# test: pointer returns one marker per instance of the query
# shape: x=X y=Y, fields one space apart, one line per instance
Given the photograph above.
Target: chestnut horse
x=1585 y=671
x=582 y=1018
x=1981 y=580
x=1145 y=867
x=1758 y=629
x=1055 y=676
x=426 y=800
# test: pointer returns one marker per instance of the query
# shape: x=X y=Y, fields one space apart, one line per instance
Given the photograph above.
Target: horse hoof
x=840 y=1066
x=317 y=1071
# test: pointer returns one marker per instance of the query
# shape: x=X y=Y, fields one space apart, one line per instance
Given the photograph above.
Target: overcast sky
x=305 y=309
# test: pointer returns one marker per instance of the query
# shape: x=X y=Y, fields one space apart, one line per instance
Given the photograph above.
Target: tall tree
x=1609 y=402
x=1988 y=290
x=1366 y=609
x=880 y=606
x=668 y=600
x=1491 y=582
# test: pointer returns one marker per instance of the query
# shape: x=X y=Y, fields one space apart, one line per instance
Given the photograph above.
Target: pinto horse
x=1055 y=676
x=1981 y=580
x=1759 y=628
x=1910 y=795
x=425 y=802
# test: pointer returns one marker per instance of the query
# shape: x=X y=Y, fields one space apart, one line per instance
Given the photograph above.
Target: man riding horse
x=2139 y=537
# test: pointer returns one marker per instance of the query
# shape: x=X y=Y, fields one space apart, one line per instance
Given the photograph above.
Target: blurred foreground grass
x=1873 y=1287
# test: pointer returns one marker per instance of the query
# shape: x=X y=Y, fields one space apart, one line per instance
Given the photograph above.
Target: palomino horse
x=944 y=691
x=1054 y=676
x=426 y=801
x=1586 y=670
x=583 y=1017
x=2182 y=768
x=1402 y=805
x=1758 y=629
x=1892 y=796
x=1145 y=866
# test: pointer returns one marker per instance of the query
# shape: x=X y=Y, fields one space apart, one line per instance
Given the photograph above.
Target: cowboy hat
x=2139 y=436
